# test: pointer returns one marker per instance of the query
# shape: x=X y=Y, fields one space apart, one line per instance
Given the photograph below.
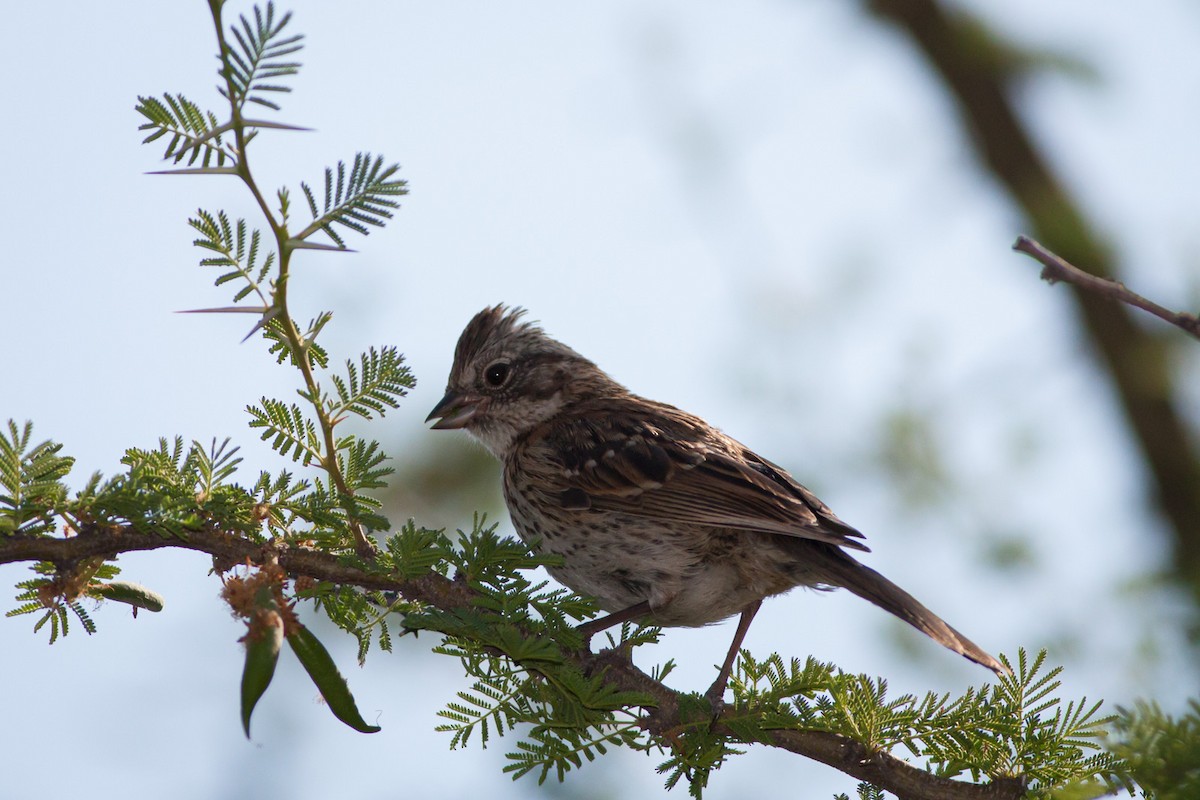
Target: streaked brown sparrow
x=655 y=513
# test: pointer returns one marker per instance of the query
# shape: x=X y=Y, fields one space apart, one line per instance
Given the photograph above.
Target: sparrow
x=656 y=514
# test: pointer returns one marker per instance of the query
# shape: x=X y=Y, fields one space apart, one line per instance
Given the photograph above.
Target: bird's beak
x=456 y=410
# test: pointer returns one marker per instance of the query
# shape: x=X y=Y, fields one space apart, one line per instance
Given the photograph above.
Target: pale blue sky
x=762 y=212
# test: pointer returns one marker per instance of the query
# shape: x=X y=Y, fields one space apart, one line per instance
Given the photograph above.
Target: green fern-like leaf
x=494 y=702
x=84 y=619
x=695 y=756
x=357 y=612
x=195 y=134
x=549 y=748
x=278 y=500
x=54 y=606
x=172 y=490
x=281 y=346
x=1050 y=749
x=57 y=617
x=374 y=386
x=288 y=428
x=237 y=250
x=362 y=507
x=416 y=551
x=362 y=465
x=354 y=199
x=260 y=57
x=25 y=608
x=164 y=464
x=30 y=482
x=212 y=466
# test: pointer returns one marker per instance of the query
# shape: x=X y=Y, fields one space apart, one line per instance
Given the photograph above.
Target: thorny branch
x=853 y=758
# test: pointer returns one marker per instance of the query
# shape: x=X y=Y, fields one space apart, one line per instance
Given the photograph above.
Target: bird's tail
x=870 y=585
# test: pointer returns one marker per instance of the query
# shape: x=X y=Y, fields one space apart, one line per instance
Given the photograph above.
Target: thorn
x=300 y=244
x=227 y=310
x=263 y=123
x=196 y=171
x=268 y=315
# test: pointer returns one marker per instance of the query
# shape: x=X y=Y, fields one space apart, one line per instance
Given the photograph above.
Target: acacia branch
x=298 y=346
x=1055 y=268
x=446 y=594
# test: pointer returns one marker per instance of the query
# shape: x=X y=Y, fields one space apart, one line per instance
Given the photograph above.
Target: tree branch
x=839 y=752
x=1055 y=269
x=1137 y=363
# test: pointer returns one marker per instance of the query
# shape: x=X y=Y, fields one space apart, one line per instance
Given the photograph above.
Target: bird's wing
x=654 y=461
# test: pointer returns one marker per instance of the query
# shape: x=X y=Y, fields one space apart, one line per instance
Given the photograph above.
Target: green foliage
x=354 y=200
x=259 y=57
x=509 y=644
x=1016 y=728
x=361 y=465
x=169 y=491
x=495 y=702
x=290 y=431
x=567 y=717
x=411 y=553
x=30 y=482
x=44 y=594
x=414 y=552
x=236 y=251
x=247 y=70
x=56 y=615
x=1162 y=751
x=58 y=591
x=376 y=385
x=506 y=644
x=279 y=332
x=278 y=501
x=254 y=56
x=362 y=613
x=195 y=133
x=865 y=792
x=549 y=745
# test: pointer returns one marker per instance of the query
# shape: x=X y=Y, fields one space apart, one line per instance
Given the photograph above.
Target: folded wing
x=668 y=465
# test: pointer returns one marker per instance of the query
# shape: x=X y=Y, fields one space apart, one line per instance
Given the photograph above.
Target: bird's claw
x=716 y=699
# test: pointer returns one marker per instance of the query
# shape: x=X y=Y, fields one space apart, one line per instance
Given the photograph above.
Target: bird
x=655 y=513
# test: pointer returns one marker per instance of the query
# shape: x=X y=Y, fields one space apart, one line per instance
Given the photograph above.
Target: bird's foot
x=716 y=697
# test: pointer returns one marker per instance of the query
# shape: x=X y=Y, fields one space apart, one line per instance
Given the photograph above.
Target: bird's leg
x=717 y=690
x=592 y=627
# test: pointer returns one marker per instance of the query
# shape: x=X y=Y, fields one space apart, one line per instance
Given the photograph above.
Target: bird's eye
x=496 y=374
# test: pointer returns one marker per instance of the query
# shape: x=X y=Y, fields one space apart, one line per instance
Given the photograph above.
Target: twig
x=985 y=89
x=1055 y=268
x=839 y=752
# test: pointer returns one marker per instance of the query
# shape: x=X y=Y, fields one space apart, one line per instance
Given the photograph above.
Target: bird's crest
x=489 y=327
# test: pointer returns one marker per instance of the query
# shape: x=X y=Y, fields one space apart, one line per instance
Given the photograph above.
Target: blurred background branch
x=978 y=70
x=1055 y=269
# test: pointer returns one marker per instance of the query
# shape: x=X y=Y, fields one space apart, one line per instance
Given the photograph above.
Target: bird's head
x=509 y=377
